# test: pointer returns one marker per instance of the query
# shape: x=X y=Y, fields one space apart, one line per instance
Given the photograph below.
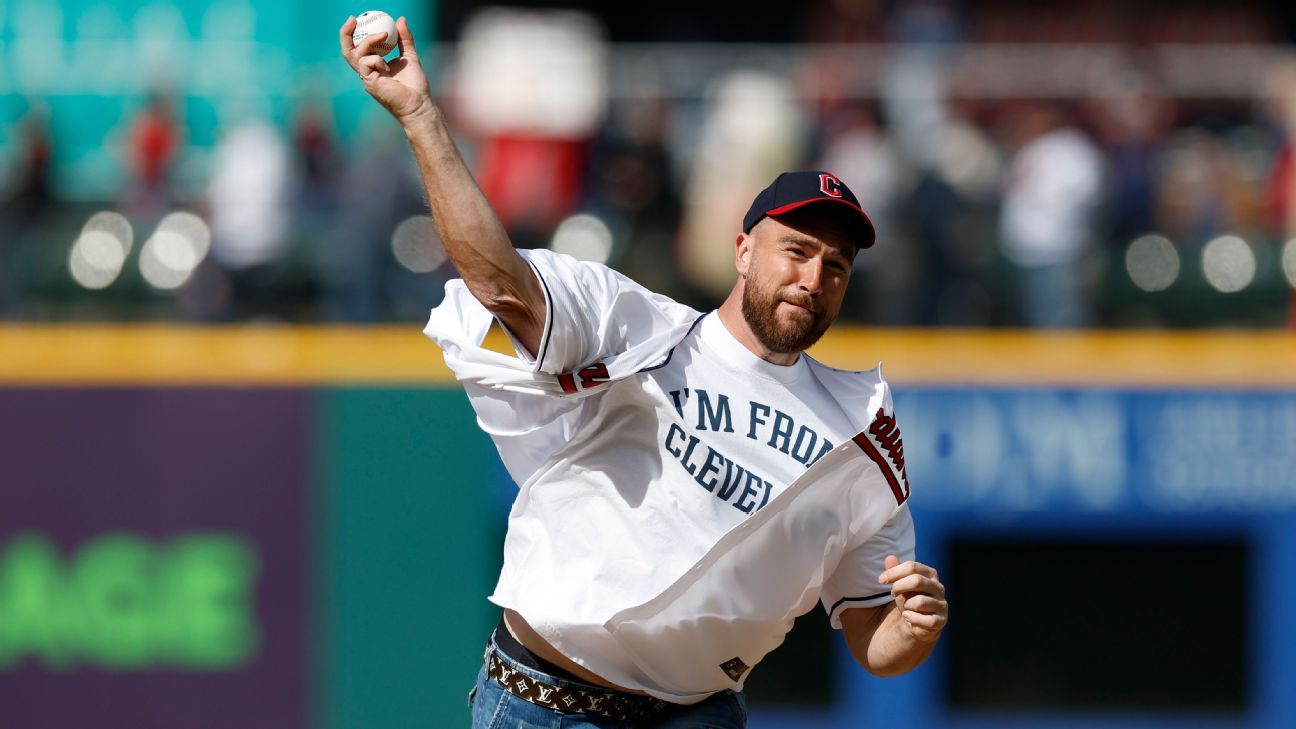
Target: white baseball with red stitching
x=373 y=22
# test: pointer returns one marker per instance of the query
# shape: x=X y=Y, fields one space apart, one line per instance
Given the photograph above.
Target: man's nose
x=812 y=276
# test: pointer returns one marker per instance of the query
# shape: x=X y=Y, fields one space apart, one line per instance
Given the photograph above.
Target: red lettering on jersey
x=567 y=382
x=884 y=428
x=887 y=434
x=831 y=186
x=595 y=374
x=592 y=376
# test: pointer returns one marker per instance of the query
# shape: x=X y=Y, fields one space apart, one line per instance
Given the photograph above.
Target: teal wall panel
x=407 y=557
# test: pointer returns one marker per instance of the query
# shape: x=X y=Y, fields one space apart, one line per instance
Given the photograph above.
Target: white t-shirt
x=628 y=487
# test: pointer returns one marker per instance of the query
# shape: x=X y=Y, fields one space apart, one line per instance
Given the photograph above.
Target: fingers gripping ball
x=373 y=22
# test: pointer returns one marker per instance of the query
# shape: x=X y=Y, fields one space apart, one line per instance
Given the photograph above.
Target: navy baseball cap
x=793 y=190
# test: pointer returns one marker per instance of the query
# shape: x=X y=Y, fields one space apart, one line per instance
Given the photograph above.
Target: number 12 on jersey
x=585 y=378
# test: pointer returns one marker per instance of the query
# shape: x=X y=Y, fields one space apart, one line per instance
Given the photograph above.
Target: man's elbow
x=502 y=301
x=885 y=671
x=506 y=292
x=507 y=298
x=860 y=654
x=886 y=659
x=892 y=663
x=522 y=315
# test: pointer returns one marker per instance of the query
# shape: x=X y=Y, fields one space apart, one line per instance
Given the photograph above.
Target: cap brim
x=856 y=218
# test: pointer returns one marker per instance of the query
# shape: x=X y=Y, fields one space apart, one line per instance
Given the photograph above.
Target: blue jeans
x=494 y=708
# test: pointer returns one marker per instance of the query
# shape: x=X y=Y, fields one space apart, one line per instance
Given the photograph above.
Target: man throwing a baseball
x=689 y=483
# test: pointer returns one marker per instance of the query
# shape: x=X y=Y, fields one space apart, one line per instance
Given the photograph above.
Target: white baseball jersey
x=681 y=500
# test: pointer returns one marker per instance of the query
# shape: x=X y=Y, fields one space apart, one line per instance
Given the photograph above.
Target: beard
x=783 y=335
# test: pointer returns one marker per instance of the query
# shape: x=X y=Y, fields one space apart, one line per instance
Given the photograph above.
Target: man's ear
x=742 y=253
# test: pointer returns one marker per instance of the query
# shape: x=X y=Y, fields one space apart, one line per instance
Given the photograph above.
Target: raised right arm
x=474 y=239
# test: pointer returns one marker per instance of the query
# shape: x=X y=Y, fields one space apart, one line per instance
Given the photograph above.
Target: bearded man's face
x=796 y=278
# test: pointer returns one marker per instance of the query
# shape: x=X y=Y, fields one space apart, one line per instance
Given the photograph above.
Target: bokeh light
x=175 y=249
x=1228 y=263
x=1289 y=262
x=99 y=252
x=416 y=244
x=584 y=237
x=1152 y=262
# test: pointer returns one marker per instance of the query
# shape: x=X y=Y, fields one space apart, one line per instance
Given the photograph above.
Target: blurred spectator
x=316 y=200
x=633 y=189
x=1191 y=194
x=152 y=145
x=533 y=87
x=857 y=149
x=1282 y=181
x=379 y=188
x=30 y=193
x=28 y=200
x=948 y=214
x=249 y=202
x=752 y=132
x=319 y=160
x=956 y=166
x=956 y=172
x=1048 y=220
x=1282 y=189
x=1131 y=127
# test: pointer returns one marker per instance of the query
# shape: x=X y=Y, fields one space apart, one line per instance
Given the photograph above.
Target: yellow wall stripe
x=275 y=355
x=1226 y=358
x=236 y=355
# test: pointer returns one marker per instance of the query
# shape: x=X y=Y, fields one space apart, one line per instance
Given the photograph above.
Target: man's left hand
x=919 y=596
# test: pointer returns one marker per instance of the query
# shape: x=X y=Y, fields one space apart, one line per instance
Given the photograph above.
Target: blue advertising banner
x=1098 y=450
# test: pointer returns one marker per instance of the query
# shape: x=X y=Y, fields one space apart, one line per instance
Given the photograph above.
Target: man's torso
x=662 y=466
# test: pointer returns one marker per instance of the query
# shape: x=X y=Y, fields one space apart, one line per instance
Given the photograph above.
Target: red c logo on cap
x=831 y=186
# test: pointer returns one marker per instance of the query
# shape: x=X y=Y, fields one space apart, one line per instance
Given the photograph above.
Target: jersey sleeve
x=591 y=312
x=855 y=581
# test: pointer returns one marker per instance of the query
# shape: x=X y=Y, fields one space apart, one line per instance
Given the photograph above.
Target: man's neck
x=730 y=313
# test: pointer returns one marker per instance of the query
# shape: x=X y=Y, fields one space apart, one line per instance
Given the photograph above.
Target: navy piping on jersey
x=549 y=317
x=671 y=353
x=856 y=599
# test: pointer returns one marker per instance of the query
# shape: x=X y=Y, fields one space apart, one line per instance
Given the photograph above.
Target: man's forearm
x=473 y=237
x=891 y=649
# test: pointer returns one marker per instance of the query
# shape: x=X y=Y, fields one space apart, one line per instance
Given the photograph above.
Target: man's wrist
x=422 y=120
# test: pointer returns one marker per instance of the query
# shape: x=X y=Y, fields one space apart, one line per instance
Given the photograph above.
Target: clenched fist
x=919 y=597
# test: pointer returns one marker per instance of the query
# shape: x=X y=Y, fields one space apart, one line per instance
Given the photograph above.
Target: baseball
x=372 y=22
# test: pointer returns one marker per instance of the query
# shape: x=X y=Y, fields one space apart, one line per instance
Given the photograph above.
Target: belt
x=607 y=703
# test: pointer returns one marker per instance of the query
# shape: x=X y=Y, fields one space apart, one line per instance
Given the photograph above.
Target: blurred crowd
x=1130 y=207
